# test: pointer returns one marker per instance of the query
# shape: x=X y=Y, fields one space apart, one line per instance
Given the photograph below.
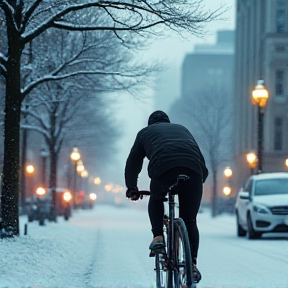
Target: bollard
x=25 y=229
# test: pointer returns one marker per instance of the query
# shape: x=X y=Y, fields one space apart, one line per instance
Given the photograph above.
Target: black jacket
x=166 y=145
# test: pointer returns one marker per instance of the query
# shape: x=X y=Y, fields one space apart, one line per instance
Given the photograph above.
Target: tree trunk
x=53 y=178
x=10 y=182
x=10 y=173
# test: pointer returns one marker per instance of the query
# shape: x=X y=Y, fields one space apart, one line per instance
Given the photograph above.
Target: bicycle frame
x=170 y=233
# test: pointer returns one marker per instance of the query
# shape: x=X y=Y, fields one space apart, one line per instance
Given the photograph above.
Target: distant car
x=262 y=205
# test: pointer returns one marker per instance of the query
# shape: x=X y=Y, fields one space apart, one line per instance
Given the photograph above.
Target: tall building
x=209 y=64
x=261 y=52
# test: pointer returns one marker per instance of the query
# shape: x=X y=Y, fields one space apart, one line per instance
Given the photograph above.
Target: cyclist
x=171 y=150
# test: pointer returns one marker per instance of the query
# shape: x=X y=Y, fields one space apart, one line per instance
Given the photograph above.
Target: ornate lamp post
x=259 y=97
x=252 y=160
x=75 y=157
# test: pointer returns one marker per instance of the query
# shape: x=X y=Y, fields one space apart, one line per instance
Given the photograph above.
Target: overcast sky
x=132 y=113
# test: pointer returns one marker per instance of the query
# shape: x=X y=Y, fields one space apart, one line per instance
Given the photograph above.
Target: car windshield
x=271 y=186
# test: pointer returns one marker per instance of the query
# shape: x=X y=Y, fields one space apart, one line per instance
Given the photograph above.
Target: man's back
x=169 y=145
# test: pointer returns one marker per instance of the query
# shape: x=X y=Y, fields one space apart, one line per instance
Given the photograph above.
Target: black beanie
x=158 y=116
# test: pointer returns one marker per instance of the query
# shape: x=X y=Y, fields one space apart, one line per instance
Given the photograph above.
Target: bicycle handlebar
x=143 y=192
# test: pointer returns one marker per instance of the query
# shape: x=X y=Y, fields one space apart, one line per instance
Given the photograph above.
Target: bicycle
x=173 y=264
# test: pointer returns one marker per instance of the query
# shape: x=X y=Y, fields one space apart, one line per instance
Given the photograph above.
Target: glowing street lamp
x=30 y=169
x=97 y=181
x=40 y=191
x=84 y=174
x=286 y=163
x=260 y=97
x=75 y=157
x=252 y=160
x=227 y=190
x=228 y=172
x=80 y=167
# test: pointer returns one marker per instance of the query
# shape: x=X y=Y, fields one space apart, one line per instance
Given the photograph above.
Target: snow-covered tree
x=27 y=20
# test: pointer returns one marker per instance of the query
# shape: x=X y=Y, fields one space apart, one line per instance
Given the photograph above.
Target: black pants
x=189 y=196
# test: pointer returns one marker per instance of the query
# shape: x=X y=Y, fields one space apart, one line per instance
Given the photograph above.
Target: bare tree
x=27 y=20
x=209 y=115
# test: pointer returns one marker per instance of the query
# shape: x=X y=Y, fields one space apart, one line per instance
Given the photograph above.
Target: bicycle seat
x=180 y=178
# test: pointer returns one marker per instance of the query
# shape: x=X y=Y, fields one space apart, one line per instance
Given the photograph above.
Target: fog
x=133 y=113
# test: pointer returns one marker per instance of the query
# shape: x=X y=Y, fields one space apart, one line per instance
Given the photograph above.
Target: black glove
x=132 y=194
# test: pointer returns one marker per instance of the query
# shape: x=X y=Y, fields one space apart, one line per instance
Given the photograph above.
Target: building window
x=278 y=134
x=279 y=83
x=281 y=3
x=280 y=20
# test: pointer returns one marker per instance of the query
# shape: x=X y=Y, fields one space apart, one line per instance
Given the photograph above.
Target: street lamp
x=228 y=172
x=260 y=96
x=97 y=181
x=44 y=154
x=286 y=163
x=227 y=190
x=80 y=167
x=30 y=183
x=252 y=160
x=84 y=175
x=75 y=157
x=30 y=169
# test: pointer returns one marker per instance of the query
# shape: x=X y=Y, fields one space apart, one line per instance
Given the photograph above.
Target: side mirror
x=244 y=195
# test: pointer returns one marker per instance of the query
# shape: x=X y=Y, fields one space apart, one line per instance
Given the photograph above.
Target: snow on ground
x=108 y=247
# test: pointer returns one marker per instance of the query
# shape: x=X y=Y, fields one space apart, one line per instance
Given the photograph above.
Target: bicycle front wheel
x=183 y=276
x=161 y=281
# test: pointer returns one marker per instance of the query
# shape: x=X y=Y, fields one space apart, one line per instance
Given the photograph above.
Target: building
x=261 y=52
x=209 y=64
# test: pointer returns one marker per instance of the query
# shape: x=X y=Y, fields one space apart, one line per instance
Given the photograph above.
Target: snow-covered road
x=108 y=247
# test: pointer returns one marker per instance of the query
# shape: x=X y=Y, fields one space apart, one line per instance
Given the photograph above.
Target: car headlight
x=260 y=209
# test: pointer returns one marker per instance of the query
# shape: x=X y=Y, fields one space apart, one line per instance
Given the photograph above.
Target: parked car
x=262 y=205
x=39 y=205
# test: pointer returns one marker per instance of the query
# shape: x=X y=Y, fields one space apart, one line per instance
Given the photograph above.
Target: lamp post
x=75 y=157
x=252 y=160
x=286 y=163
x=259 y=97
x=228 y=174
x=30 y=172
x=84 y=175
x=44 y=154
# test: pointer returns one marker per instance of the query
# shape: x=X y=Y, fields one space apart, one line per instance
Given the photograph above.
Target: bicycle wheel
x=183 y=276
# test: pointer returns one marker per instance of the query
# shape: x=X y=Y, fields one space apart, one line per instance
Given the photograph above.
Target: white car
x=262 y=205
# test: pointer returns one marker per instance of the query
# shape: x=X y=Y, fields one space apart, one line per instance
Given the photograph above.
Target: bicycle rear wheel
x=183 y=276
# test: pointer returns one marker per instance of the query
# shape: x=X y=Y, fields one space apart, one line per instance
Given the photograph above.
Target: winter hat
x=158 y=116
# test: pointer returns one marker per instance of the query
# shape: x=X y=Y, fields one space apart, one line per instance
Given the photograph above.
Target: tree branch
x=28 y=14
x=35 y=128
x=172 y=15
x=50 y=77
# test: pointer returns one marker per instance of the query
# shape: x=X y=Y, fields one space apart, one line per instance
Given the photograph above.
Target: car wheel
x=240 y=231
x=251 y=233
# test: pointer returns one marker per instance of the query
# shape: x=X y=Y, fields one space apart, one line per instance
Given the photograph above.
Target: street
x=108 y=247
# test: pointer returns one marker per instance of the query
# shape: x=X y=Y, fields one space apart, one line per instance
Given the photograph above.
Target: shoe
x=157 y=244
x=196 y=274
